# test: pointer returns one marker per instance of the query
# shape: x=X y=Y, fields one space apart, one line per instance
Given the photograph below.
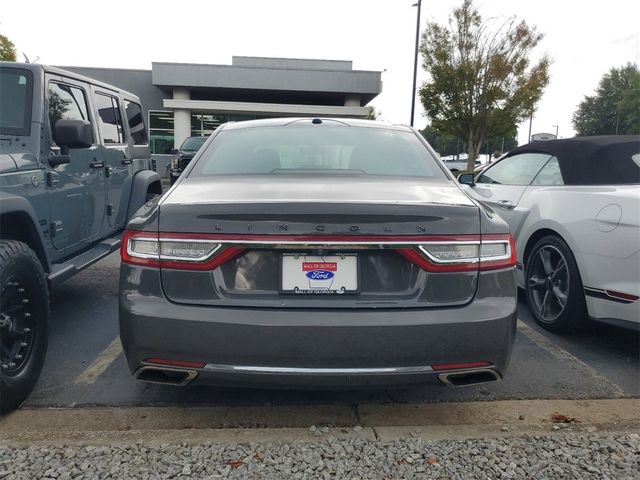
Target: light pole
x=557 y=127
x=415 y=62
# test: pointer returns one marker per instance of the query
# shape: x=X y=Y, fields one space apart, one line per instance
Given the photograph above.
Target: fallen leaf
x=432 y=461
x=235 y=463
x=560 y=418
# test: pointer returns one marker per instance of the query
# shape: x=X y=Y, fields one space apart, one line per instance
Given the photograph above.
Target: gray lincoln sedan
x=317 y=253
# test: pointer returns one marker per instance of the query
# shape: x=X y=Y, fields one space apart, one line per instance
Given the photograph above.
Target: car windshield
x=16 y=87
x=312 y=149
x=192 y=144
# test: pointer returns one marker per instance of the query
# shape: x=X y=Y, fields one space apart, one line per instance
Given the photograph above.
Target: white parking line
x=561 y=354
x=101 y=363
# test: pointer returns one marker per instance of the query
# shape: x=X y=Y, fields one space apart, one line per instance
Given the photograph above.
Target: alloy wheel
x=548 y=282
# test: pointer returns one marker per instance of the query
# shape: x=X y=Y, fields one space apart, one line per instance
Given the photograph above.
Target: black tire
x=553 y=286
x=24 y=317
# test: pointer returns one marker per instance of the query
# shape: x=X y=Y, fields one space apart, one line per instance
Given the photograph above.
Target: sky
x=583 y=38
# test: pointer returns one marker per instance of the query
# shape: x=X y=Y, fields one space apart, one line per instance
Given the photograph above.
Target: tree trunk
x=473 y=149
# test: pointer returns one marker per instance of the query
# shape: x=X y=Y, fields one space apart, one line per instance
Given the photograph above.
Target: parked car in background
x=317 y=252
x=574 y=207
x=457 y=165
x=74 y=167
x=183 y=155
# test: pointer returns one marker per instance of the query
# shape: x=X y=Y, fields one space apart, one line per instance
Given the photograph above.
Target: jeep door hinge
x=53 y=178
x=55 y=227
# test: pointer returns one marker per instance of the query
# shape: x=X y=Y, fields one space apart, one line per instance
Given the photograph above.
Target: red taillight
x=459 y=366
x=174 y=363
x=200 y=251
x=175 y=251
x=485 y=252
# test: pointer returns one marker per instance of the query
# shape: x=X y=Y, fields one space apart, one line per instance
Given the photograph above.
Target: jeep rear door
x=114 y=154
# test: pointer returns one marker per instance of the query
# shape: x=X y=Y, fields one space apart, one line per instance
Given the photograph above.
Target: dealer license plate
x=311 y=274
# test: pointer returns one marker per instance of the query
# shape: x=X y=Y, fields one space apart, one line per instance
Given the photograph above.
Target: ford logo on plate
x=319 y=275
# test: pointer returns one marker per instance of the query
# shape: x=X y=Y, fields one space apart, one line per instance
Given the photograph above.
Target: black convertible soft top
x=600 y=160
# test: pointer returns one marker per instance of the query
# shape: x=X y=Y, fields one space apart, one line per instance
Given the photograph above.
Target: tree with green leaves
x=7 y=49
x=615 y=107
x=482 y=82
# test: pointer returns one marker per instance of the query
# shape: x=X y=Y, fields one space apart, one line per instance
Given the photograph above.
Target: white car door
x=502 y=185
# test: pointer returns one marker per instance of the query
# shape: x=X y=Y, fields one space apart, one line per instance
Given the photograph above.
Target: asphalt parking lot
x=85 y=365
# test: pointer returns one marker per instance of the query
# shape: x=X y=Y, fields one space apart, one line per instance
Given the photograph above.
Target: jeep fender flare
x=19 y=208
x=143 y=182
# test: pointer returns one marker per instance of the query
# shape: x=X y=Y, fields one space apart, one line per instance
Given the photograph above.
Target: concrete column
x=181 y=118
x=352 y=100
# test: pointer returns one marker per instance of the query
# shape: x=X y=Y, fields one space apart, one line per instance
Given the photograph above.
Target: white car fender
x=545 y=212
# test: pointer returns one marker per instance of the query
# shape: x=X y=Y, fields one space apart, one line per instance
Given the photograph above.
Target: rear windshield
x=16 y=92
x=312 y=149
x=192 y=144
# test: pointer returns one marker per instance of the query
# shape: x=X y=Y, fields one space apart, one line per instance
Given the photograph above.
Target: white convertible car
x=573 y=206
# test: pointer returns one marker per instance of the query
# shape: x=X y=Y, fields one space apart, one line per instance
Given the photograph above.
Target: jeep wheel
x=24 y=312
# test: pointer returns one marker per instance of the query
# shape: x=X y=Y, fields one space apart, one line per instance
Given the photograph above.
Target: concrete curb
x=159 y=425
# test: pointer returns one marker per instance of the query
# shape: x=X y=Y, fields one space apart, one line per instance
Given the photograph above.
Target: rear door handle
x=127 y=161
x=96 y=164
x=506 y=204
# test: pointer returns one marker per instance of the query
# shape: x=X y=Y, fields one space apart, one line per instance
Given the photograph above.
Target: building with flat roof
x=186 y=99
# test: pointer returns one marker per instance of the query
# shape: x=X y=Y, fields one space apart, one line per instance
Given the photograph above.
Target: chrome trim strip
x=183 y=259
x=315 y=371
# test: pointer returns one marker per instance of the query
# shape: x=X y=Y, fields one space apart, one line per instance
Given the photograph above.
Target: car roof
x=576 y=145
x=281 y=122
x=603 y=159
x=69 y=74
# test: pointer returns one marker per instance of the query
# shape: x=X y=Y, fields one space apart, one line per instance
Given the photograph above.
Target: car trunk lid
x=269 y=217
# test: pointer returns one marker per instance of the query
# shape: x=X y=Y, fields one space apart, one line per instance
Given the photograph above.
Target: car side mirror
x=467 y=179
x=70 y=134
x=73 y=134
x=174 y=151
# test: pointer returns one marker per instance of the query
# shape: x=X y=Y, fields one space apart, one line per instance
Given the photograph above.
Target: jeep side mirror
x=73 y=134
x=174 y=151
x=70 y=134
x=467 y=179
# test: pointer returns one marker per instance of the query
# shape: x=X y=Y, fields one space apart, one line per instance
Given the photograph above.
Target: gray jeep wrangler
x=74 y=167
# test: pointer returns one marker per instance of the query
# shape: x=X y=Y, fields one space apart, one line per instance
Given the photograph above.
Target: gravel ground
x=562 y=455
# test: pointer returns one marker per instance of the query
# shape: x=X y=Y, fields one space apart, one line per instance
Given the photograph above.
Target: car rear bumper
x=314 y=347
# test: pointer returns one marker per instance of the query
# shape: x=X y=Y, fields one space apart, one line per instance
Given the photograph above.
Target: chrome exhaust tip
x=464 y=378
x=165 y=375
